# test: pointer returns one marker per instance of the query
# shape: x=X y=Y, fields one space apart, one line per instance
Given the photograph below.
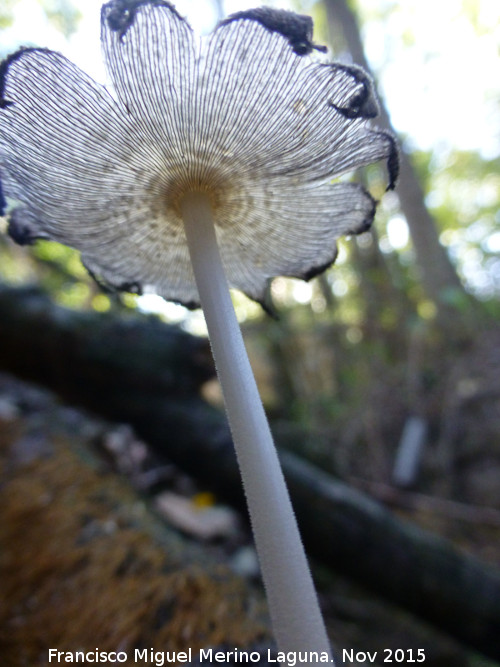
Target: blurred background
x=402 y=330
x=385 y=370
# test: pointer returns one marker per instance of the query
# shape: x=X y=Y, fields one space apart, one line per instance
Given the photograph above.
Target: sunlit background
x=437 y=65
x=437 y=62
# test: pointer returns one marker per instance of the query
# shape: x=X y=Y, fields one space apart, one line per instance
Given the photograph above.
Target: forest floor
x=102 y=545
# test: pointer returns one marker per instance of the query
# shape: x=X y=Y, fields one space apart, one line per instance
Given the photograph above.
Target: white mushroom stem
x=293 y=604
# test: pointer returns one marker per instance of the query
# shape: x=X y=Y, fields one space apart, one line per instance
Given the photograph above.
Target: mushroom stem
x=293 y=604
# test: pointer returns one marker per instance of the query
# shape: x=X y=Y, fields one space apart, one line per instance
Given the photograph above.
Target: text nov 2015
x=396 y=656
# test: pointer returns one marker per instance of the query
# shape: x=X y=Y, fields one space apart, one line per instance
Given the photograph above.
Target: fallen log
x=116 y=358
x=101 y=362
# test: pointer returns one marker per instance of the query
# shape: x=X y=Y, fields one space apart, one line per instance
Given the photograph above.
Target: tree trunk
x=436 y=271
x=101 y=361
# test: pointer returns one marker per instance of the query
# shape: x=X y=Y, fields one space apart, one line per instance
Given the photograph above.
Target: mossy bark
x=84 y=563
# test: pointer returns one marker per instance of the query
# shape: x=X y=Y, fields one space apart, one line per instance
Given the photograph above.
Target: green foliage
x=481 y=14
x=6 y=13
x=63 y=14
x=464 y=196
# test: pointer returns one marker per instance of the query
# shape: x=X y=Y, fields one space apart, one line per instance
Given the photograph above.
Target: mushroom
x=208 y=164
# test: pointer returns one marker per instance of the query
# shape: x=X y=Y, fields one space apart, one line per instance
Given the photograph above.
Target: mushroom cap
x=246 y=115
